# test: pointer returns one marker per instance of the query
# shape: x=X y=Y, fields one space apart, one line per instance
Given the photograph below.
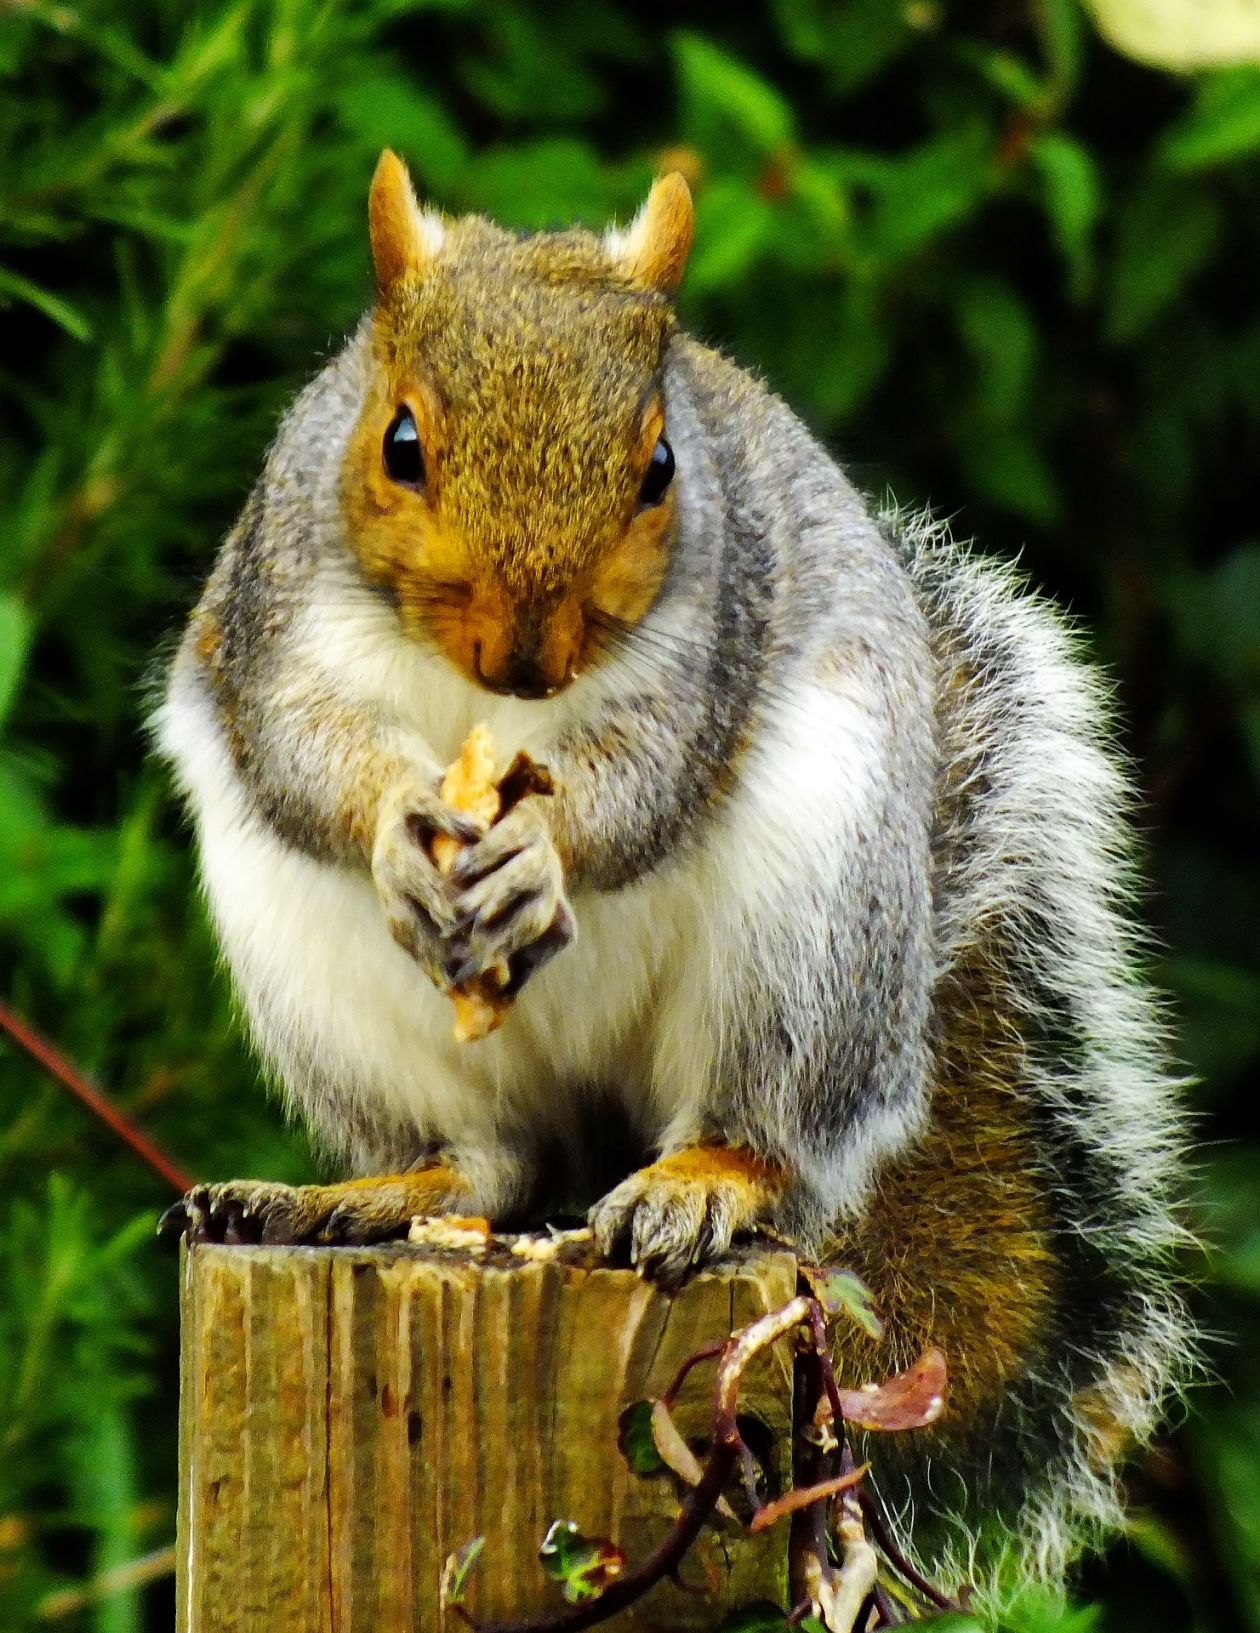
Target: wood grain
x=351 y=1416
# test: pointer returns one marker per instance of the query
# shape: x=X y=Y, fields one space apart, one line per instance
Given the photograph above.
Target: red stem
x=68 y=1075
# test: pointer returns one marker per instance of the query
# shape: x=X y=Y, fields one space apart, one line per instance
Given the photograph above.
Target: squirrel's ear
x=405 y=238
x=652 y=251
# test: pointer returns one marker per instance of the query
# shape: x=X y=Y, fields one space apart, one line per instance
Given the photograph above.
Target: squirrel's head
x=510 y=477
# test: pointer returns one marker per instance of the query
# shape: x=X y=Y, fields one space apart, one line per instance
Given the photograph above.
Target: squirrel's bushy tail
x=1034 y=1230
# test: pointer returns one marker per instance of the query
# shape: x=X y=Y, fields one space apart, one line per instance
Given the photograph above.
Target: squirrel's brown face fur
x=531 y=369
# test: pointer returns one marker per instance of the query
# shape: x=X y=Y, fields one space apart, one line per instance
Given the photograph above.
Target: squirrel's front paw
x=415 y=898
x=682 y=1211
x=357 y=1210
x=510 y=901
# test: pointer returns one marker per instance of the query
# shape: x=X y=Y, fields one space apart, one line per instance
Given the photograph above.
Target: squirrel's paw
x=682 y=1211
x=415 y=898
x=510 y=901
x=359 y=1210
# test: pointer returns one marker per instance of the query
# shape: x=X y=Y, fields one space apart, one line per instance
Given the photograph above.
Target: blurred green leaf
x=849 y=45
x=1216 y=616
x=541 y=184
x=842 y=1293
x=1002 y=338
x=726 y=108
x=735 y=226
x=15 y=637
x=1073 y=199
x=61 y=312
x=1165 y=235
x=930 y=188
x=458 y=1570
x=1223 y=124
x=384 y=109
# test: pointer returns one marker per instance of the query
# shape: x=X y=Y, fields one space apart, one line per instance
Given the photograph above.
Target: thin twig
x=802 y=1496
x=707 y=1352
x=48 y=1056
x=889 y=1616
x=134 y=1573
x=882 y=1533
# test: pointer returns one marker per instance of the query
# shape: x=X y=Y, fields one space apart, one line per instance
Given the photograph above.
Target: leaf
x=636 y=1440
x=457 y=1570
x=1007 y=466
x=1166 y=234
x=583 y=1566
x=841 y=1292
x=385 y=109
x=1002 y=338
x=734 y=228
x=540 y=184
x=928 y=190
x=1224 y=123
x=847 y=44
x=1214 y=615
x=910 y=1400
x=15 y=638
x=726 y=104
x=67 y=317
x=677 y=1455
x=1073 y=199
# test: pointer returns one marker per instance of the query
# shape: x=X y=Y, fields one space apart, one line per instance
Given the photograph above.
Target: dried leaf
x=456 y=1571
x=677 y=1455
x=910 y=1400
x=840 y=1292
x=583 y=1566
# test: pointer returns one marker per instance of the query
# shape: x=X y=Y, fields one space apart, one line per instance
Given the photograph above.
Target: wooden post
x=349 y=1417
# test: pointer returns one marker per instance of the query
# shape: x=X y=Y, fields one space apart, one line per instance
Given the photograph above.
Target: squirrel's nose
x=521 y=676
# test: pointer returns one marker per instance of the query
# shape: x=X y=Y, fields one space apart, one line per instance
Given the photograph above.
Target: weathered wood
x=349 y=1417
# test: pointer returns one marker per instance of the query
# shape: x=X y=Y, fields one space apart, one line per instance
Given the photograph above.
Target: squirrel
x=826 y=925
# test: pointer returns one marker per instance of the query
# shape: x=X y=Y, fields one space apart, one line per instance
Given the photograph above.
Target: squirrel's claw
x=174 y=1221
x=679 y=1213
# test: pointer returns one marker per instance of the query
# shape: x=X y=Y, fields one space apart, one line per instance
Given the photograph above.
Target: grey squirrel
x=826 y=922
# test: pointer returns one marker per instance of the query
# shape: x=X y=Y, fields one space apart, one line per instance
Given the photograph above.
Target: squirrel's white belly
x=346 y=1018
x=336 y=1007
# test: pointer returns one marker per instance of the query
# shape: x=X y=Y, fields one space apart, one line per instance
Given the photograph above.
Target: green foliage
x=637 y=1439
x=1000 y=268
x=582 y=1567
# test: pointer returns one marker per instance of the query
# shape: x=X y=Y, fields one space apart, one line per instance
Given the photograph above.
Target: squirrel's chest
x=347 y=1019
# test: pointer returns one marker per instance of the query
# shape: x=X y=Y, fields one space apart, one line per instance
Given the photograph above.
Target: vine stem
x=699 y=1502
x=46 y=1055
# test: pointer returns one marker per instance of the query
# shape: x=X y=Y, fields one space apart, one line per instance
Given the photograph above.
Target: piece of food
x=470 y=785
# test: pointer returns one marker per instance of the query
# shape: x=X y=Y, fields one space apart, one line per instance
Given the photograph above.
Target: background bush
x=999 y=267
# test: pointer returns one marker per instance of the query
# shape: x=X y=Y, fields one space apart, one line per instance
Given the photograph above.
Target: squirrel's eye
x=403 y=460
x=660 y=473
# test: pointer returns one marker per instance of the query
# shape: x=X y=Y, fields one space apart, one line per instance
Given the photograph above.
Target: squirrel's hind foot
x=677 y=1214
x=356 y=1211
